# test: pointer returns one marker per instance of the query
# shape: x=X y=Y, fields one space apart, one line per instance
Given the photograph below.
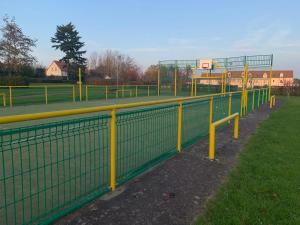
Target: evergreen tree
x=67 y=40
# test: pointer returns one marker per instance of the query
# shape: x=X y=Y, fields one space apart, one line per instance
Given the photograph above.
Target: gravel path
x=176 y=191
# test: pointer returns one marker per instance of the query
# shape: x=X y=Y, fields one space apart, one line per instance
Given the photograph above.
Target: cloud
x=271 y=37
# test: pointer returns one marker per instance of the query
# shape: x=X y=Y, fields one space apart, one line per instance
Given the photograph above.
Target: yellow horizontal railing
x=70 y=112
x=212 y=131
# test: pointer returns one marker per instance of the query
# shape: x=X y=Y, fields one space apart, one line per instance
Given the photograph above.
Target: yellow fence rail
x=212 y=131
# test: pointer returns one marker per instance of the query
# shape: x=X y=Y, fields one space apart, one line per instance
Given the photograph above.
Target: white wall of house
x=54 y=70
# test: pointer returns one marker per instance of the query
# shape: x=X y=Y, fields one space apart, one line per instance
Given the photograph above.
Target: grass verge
x=264 y=187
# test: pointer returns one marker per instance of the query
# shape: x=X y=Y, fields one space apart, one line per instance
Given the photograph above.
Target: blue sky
x=155 y=30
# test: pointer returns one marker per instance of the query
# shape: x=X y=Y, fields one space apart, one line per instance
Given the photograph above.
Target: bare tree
x=93 y=61
x=115 y=65
x=15 y=47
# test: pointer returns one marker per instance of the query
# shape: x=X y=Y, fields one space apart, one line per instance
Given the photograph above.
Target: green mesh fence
x=236 y=103
x=195 y=121
x=49 y=169
x=144 y=137
x=46 y=169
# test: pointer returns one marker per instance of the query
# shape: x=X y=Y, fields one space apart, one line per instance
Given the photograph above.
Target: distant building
x=255 y=78
x=57 y=68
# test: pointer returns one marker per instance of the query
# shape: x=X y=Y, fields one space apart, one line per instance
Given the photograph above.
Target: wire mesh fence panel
x=95 y=92
x=59 y=94
x=144 y=138
x=203 y=89
x=166 y=90
x=28 y=95
x=249 y=101
x=220 y=107
x=195 y=121
x=48 y=169
x=236 y=103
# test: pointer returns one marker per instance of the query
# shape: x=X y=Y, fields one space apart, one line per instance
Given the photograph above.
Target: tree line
x=17 y=62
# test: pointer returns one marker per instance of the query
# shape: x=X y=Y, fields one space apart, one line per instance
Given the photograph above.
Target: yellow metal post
x=106 y=92
x=10 y=97
x=211 y=152
x=148 y=90
x=195 y=83
x=4 y=99
x=211 y=102
x=158 y=80
x=113 y=150
x=46 y=95
x=74 y=93
x=225 y=81
x=192 y=87
x=136 y=91
x=229 y=105
x=179 y=127
x=80 y=84
x=175 y=81
x=271 y=102
x=270 y=83
x=86 y=92
x=236 y=127
x=241 y=104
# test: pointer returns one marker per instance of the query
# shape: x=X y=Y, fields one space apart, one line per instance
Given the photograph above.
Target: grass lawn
x=264 y=187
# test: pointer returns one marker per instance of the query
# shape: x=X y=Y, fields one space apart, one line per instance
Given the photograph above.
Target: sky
x=155 y=30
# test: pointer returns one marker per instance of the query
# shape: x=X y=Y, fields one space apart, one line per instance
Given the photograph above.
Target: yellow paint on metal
x=10 y=97
x=175 y=82
x=211 y=102
x=158 y=81
x=113 y=151
x=192 y=87
x=46 y=95
x=272 y=101
x=195 y=83
x=106 y=92
x=270 y=83
x=179 y=129
x=80 y=84
x=229 y=105
x=4 y=99
x=86 y=92
x=212 y=131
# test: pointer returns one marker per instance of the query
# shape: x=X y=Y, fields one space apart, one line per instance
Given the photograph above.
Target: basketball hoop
x=205 y=64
